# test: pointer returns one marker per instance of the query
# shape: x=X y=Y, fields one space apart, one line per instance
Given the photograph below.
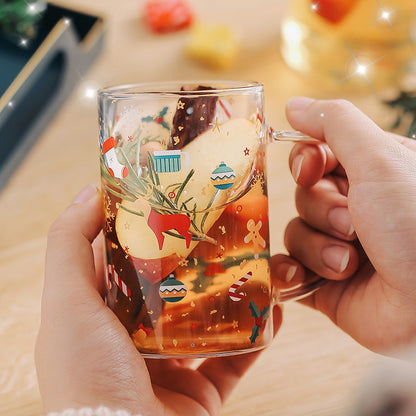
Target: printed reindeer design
x=159 y=223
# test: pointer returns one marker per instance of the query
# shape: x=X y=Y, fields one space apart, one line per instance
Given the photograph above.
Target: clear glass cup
x=350 y=42
x=186 y=216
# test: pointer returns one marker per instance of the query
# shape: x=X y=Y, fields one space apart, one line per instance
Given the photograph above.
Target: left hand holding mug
x=84 y=355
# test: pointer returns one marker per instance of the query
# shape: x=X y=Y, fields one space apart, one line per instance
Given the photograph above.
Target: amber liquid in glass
x=205 y=314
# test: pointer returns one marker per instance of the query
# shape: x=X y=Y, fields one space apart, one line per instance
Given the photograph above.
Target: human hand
x=84 y=355
x=356 y=199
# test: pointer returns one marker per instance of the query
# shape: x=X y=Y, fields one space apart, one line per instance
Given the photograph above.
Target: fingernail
x=336 y=258
x=298 y=103
x=339 y=219
x=85 y=194
x=290 y=274
x=286 y=271
x=297 y=166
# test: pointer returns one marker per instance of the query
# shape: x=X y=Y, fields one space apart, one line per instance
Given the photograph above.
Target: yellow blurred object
x=215 y=46
x=350 y=42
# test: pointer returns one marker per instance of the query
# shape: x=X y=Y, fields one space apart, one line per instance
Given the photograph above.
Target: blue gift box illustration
x=169 y=160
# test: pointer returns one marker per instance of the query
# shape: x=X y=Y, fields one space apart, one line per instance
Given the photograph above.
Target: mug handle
x=291 y=136
x=298 y=292
x=306 y=289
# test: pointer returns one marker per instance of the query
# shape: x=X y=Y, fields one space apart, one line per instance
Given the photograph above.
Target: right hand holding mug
x=356 y=199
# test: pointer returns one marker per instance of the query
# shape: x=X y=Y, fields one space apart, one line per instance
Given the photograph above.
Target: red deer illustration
x=160 y=223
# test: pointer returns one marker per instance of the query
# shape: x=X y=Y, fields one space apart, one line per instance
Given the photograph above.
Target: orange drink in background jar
x=350 y=41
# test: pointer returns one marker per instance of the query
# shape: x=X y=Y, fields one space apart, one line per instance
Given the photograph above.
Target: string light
x=31 y=8
x=87 y=92
x=385 y=15
x=361 y=69
x=90 y=92
x=35 y=7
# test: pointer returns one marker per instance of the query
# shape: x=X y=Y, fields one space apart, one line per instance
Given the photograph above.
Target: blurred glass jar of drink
x=350 y=41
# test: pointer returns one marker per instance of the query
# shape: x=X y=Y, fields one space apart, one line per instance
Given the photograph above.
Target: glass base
x=213 y=354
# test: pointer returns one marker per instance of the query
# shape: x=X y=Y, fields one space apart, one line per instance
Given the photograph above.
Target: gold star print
x=215 y=125
x=176 y=140
x=180 y=105
x=235 y=324
x=109 y=215
x=183 y=262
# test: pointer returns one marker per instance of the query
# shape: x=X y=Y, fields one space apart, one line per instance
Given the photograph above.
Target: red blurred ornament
x=164 y=16
x=333 y=10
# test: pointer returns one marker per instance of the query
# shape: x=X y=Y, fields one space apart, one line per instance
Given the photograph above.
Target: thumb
x=70 y=269
x=360 y=146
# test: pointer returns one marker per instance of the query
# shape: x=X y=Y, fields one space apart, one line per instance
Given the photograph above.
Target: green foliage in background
x=19 y=17
x=406 y=105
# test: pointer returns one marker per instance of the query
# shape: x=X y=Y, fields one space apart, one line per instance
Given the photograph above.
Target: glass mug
x=186 y=216
x=350 y=42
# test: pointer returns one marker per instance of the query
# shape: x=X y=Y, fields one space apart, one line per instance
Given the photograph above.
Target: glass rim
x=172 y=88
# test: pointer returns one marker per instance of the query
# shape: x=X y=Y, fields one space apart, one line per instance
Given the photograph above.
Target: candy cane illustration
x=236 y=297
x=111 y=272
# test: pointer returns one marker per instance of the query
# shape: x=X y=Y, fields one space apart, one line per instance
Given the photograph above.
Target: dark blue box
x=35 y=80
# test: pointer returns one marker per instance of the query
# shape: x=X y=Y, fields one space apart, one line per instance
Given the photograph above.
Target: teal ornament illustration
x=169 y=160
x=172 y=290
x=223 y=176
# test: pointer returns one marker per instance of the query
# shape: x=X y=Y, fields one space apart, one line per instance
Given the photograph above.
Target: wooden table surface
x=312 y=368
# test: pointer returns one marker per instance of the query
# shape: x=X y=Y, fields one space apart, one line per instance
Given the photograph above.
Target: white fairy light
x=361 y=69
x=36 y=7
x=31 y=8
x=87 y=92
x=90 y=92
x=385 y=15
